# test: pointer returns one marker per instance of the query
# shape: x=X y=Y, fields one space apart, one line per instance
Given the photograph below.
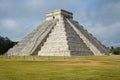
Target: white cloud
x=106 y=32
x=9 y=24
x=100 y=17
x=110 y=43
x=103 y=21
x=34 y=4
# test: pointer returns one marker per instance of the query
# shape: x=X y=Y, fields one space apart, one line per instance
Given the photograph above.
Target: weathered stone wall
x=59 y=36
x=32 y=40
x=57 y=14
x=56 y=44
x=95 y=46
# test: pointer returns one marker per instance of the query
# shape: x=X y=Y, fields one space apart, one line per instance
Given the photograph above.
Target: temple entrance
x=53 y=17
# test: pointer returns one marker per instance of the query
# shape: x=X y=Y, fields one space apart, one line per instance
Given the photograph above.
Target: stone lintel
x=57 y=14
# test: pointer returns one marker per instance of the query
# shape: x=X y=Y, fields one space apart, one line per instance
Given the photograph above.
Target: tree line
x=115 y=50
x=5 y=44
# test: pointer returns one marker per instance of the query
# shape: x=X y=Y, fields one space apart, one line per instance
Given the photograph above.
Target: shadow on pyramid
x=59 y=35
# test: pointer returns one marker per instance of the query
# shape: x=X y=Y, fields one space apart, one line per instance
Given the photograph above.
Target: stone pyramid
x=59 y=35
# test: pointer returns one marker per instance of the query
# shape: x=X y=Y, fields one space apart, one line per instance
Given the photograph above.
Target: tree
x=116 y=50
x=5 y=44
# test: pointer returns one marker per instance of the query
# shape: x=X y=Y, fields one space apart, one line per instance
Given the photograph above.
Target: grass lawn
x=60 y=68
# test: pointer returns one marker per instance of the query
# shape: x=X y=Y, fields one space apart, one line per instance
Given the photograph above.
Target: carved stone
x=59 y=35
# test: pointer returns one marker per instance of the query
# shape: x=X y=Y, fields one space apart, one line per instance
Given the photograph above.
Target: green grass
x=60 y=68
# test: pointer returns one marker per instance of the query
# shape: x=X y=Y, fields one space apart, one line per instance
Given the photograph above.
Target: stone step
x=92 y=39
x=26 y=45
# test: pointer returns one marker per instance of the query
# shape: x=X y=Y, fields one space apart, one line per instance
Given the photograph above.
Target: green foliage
x=5 y=44
x=116 y=50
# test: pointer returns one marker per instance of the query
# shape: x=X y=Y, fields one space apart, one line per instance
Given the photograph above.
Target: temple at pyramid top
x=57 y=14
x=59 y=35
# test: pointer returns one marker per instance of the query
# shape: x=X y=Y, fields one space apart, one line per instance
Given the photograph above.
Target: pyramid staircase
x=91 y=41
x=59 y=35
x=30 y=43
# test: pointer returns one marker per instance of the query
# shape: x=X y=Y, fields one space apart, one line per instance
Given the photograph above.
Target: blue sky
x=99 y=17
